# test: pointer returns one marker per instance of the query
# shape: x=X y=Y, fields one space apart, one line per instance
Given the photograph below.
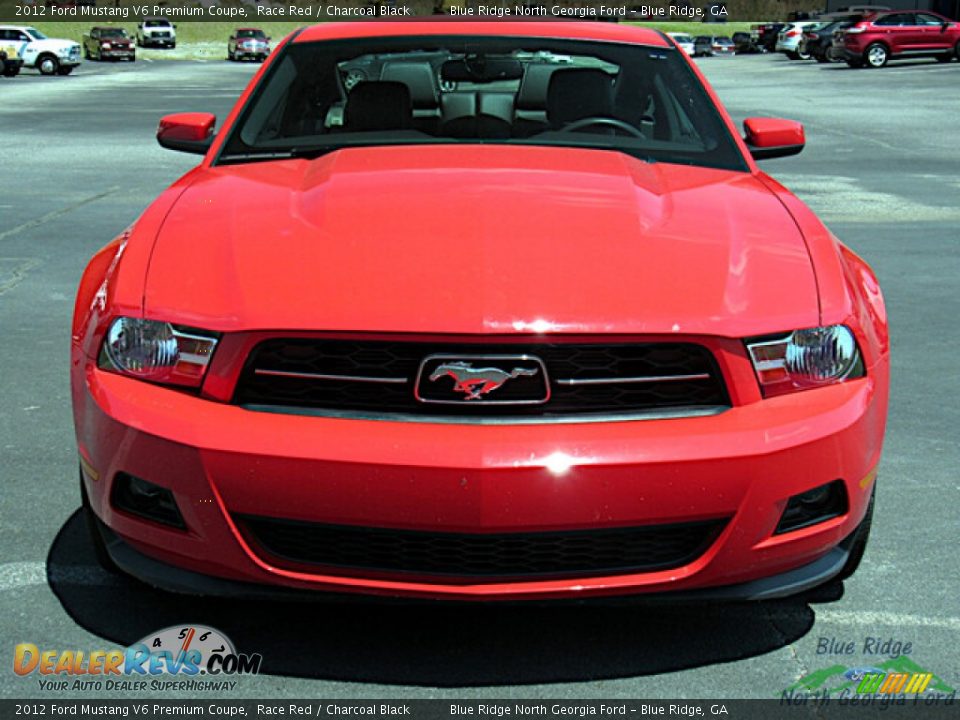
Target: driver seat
x=578 y=93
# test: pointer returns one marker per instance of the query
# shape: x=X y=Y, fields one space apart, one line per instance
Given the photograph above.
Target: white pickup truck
x=156 y=32
x=50 y=56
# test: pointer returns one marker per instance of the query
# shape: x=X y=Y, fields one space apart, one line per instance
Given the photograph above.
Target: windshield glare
x=35 y=34
x=323 y=96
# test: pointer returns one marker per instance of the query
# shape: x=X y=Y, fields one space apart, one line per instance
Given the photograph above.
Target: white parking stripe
x=17 y=575
x=22 y=574
x=56 y=213
x=873 y=617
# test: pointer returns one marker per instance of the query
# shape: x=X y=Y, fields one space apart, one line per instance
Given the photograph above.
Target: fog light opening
x=816 y=505
x=147 y=500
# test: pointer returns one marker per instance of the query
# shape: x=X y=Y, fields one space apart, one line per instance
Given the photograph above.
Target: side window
x=24 y=37
x=891 y=20
x=924 y=19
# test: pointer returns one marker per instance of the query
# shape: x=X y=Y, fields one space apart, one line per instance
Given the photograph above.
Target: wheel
x=821 y=58
x=860 y=543
x=48 y=65
x=86 y=53
x=173 y=45
x=802 y=54
x=65 y=70
x=876 y=55
x=792 y=54
x=945 y=58
x=96 y=539
x=139 y=41
x=11 y=71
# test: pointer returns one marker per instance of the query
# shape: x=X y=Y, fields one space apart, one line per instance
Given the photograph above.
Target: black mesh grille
x=578 y=552
x=389 y=359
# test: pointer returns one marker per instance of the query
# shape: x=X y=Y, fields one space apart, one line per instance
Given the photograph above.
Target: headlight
x=805 y=359
x=157 y=351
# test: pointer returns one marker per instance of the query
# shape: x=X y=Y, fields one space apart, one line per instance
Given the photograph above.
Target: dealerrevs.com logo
x=170 y=659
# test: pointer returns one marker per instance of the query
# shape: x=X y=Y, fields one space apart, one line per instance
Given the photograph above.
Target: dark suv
x=886 y=36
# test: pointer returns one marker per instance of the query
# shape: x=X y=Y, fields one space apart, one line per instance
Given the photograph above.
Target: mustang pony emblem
x=477 y=381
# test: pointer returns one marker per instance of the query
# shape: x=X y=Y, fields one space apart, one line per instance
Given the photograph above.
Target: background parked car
x=684 y=41
x=788 y=41
x=818 y=43
x=251 y=43
x=886 y=36
x=745 y=43
x=10 y=60
x=108 y=43
x=705 y=45
x=9 y=65
x=51 y=56
x=156 y=31
x=767 y=34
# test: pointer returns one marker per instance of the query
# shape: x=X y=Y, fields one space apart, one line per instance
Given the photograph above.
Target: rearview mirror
x=187 y=132
x=772 y=137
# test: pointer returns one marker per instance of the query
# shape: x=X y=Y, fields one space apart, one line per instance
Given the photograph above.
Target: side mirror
x=187 y=132
x=772 y=137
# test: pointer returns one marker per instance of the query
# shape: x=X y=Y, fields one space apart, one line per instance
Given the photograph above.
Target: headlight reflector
x=157 y=351
x=805 y=359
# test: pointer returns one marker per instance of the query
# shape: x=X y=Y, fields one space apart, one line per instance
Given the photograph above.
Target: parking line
x=56 y=213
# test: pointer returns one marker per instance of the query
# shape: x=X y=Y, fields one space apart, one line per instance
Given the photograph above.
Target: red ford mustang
x=479 y=311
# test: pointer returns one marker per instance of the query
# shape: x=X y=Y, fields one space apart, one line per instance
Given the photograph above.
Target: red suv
x=886 y=36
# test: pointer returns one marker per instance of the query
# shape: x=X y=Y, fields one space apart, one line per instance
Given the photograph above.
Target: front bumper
x=124 y=53
x=221 y=461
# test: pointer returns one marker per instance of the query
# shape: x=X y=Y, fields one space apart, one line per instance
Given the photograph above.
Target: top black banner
x=311 y=11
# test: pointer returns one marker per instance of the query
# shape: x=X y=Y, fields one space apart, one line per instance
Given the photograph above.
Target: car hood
x=480 y=239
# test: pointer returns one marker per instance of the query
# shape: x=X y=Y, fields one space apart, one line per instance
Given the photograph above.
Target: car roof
x=557 y=29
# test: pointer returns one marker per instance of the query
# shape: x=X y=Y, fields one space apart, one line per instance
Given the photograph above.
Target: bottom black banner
x=787 y=706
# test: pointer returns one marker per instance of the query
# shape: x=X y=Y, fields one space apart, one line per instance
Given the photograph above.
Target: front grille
x=339 y=548
x=380 y=376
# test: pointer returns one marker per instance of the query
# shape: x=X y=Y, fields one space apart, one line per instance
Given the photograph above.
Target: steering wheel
x=611 y=122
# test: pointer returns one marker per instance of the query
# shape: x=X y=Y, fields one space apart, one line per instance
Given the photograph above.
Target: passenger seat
x=421 y=81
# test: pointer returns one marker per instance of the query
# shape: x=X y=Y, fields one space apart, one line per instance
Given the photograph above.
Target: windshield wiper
x=306 y=151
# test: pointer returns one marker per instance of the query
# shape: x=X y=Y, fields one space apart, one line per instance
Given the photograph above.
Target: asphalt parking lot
x=80 y=163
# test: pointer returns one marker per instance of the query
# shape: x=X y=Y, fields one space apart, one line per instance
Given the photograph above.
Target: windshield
x=250 y=34
x=157 y=23
x=113 y=32
x=35 y=34
x=323 y=96
x=683 y=38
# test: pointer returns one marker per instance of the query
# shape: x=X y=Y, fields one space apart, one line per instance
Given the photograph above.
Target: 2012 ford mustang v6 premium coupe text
x=479 y=311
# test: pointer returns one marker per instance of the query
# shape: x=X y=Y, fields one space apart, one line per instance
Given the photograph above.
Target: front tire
x=876 y=56
x=65 y=70
x=48 y=65
x=792 y=54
